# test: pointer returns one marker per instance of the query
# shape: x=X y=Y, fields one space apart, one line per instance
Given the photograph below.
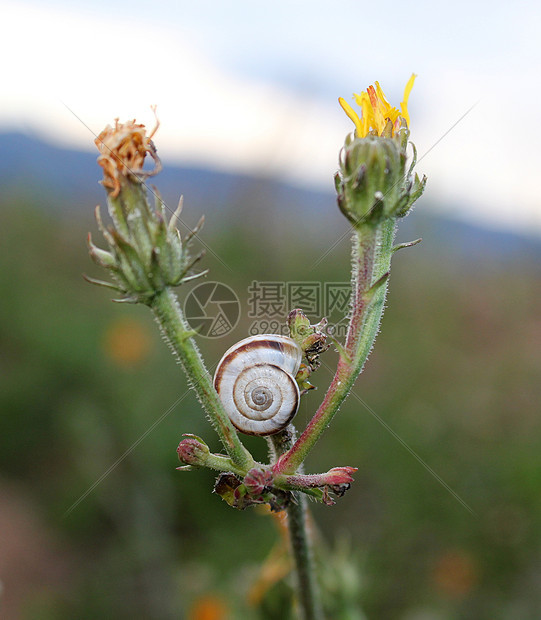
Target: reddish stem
x=372 y=249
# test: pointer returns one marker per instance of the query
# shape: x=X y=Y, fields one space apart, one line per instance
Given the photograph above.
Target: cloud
x=212 y=112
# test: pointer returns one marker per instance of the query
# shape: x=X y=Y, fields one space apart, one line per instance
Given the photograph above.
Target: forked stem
x=372 y=251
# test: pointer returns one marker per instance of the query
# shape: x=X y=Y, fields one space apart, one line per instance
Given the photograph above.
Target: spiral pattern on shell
x=255 y=380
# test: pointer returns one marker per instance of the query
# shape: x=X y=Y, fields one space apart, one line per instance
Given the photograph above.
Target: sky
x=253 y=86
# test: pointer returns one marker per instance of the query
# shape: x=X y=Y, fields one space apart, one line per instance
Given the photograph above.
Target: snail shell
x=255 y=380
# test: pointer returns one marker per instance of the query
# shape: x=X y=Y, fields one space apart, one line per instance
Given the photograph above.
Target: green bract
x=372 y=182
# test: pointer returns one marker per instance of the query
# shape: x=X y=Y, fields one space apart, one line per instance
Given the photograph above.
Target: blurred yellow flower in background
x=126 y=342
x=209 y=607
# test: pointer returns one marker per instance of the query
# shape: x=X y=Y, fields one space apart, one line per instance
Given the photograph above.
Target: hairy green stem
x=179 y=337
x=301 y=549
x=219 y=463
x=307 y=591
x=372 y=251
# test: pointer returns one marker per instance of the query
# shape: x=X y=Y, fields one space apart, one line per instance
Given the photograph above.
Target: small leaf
x=340 y=348
x=410 y=244
x=189 y=334
x=225 y=486
x=369 y=295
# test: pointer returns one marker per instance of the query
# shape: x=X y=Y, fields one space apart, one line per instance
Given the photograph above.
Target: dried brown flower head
x=123 y=149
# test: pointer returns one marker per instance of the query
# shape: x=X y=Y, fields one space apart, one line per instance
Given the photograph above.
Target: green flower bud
x=372 y=183
x=311 y=338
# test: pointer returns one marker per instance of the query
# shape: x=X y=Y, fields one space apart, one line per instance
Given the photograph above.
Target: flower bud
x=193 y=451
x=337 y=480
x=372 y=183
x=257 y=481
x=370 y=176
x=311 y=338
x=302 y=377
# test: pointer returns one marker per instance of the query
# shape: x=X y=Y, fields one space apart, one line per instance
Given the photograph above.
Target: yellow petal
x=376 y=111
x=384 y=105
x=386 y=108
x=378 y=120
x=404 y=105
x=367 y=113
x=353 y=116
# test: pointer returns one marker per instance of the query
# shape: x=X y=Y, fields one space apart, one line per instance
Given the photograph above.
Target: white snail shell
x=255 y=380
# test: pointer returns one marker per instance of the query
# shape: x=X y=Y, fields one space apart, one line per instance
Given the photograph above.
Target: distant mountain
x=61 y=179
x=29 y=165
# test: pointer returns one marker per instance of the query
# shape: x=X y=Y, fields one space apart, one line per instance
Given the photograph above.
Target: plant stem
x=179 y=337
x=307 y=591
x=301 y=549
x=372 y=251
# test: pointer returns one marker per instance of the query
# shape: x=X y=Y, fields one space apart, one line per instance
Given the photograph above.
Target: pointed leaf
x=410 y=244
x=369 y=294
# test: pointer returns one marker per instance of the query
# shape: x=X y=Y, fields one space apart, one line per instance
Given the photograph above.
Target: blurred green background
x=455 y=374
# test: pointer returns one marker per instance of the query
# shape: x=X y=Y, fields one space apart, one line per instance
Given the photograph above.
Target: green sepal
x=175 y=217
x=131 y=265
x=116 y=211
x=103 y=229
x=158 y=277
x=186 y=269
x=101 y=257
x=178 y=258
x=416 y=191
x=163 y=249
x=127 y=300
x=192 y=436
x=192 y=233
x=194 y=276
x=413 y=159
x=103 y=283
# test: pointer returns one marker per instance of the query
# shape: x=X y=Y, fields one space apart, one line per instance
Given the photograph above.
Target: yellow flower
x=378 y=117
